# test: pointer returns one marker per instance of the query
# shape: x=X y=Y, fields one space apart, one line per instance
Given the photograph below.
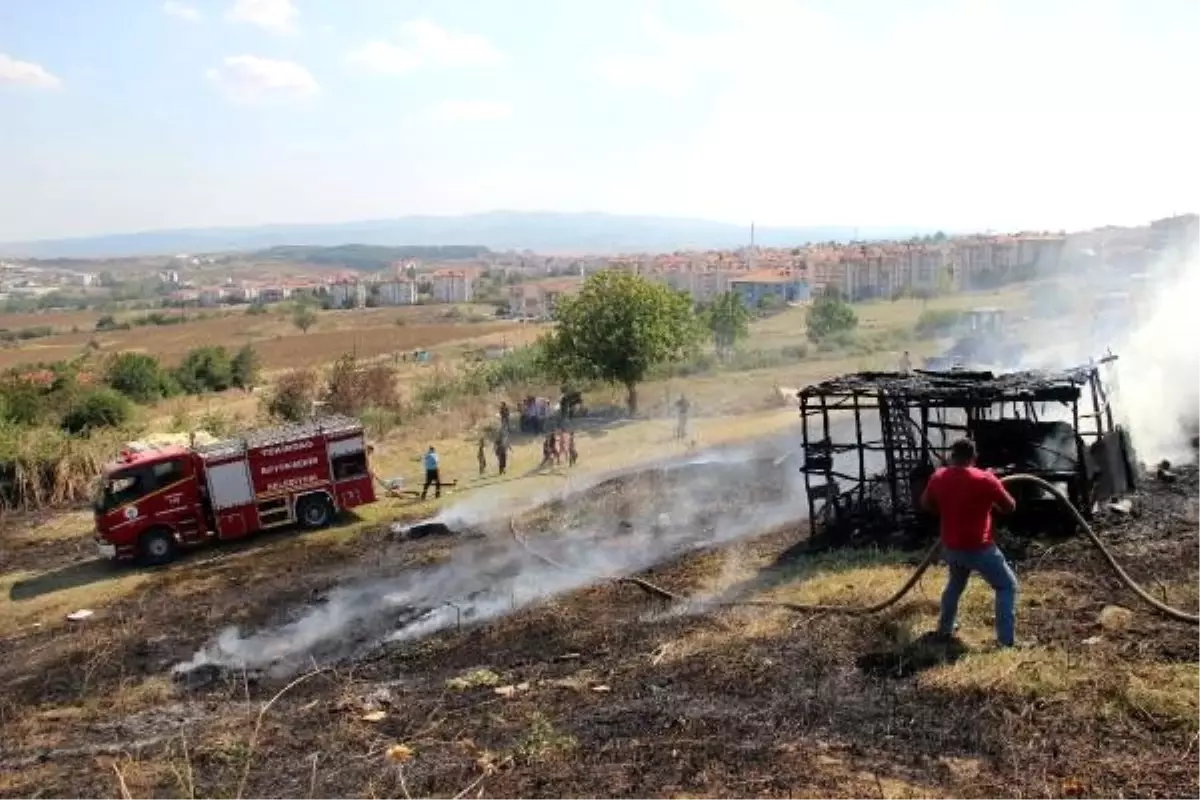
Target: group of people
x=500 y=447
x=556 y=445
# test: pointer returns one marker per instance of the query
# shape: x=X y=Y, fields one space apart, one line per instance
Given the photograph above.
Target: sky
x=131 y=115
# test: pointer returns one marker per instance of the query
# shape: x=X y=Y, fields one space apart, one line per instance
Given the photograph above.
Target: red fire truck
x=153 y=501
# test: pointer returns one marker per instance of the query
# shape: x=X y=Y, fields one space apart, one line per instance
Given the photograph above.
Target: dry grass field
x=367 y=332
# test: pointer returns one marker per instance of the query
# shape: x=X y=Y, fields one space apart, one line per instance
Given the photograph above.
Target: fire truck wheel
x=314 y=511
x=157 y=547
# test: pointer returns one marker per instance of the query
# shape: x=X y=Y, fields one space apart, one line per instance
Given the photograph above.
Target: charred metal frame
x=907 y=421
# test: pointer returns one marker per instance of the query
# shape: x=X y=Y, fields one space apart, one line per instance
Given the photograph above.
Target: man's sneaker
x=1023 y=644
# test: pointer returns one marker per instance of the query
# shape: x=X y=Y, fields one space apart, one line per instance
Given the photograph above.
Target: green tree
x=205 y=369
x=139 y=377
x=99 y=408
x=728 y=319
x=304 y=318
x=617 y=328
x=829 y=315
x=245 y=367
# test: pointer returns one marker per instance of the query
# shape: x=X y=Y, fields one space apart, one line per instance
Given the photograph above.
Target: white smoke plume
x=1158 y=372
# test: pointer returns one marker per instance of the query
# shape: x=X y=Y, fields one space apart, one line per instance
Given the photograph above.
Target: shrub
x=830 y=315
x=139 y=377
x=244 y=368
x=109 y=323
x=353 y=388
x=294 y=394
x=22 y=403
x=205 y=369
x=99 y=408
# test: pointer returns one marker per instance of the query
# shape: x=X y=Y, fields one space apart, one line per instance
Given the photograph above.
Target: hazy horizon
x=967 y=115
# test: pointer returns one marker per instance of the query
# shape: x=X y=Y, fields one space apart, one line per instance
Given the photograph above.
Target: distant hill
x=543 y=232
x=367 y=257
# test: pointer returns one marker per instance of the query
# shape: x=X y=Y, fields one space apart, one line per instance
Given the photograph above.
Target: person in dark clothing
x=505 y=415
x=682 y=406
x=482 y=457
x=549 y=450
x=432 y=478
x=502 y=448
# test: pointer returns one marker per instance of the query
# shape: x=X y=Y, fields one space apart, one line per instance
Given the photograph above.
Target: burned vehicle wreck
x=872 y=439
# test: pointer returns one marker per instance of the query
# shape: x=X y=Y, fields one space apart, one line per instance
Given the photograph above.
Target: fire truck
x=154 y=501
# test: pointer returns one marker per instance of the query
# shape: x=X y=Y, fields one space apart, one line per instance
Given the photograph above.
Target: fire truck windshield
x=117 y=489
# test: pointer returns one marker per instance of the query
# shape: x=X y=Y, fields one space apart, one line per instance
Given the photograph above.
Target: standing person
x=962 y=496
x=505 y=415
x=432 y=478
x=572 y=453
x=482 y=456
x=502 y=448
x=560 y=446
x=681 y=406
x=905 y=364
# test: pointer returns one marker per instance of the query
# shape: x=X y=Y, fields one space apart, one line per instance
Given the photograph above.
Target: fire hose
x=930 y=557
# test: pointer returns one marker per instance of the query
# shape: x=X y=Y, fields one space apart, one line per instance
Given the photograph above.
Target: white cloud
x=26 y=73
x=180 y=10
x=423 y=44
x=470 y=111
x=253 y=78
x=276 y=16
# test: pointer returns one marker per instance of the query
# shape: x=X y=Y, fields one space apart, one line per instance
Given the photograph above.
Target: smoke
x=712 y=499
x=1158 y=373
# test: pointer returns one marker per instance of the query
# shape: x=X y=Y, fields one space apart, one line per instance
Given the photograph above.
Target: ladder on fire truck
x=902 y=451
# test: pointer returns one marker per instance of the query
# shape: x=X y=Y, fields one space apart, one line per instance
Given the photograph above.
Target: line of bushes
x=59 y=422
x=25 y=334
x=108 y=322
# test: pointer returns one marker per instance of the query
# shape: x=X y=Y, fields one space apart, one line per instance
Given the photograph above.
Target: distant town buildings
x=452 y=286
x=398 y=292
x=348 y=294
x=538 y=300
x=533 y=284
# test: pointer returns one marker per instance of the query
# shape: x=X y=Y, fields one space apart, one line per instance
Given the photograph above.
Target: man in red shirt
x=962 y=496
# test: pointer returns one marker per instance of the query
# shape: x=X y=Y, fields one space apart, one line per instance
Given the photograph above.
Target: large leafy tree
x=619 y=327
x=728 y=319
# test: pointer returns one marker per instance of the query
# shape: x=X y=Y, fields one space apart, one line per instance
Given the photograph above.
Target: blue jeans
x=990 y=564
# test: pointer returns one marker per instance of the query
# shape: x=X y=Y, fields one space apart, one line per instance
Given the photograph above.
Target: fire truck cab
x=153 y=501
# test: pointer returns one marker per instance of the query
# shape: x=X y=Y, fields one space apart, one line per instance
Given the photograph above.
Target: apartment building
x=348 y=294
x=398 y=292
x=274 y=294
x=756 y=287
x=452 y=286
x=211 y=296
x=539 y=299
